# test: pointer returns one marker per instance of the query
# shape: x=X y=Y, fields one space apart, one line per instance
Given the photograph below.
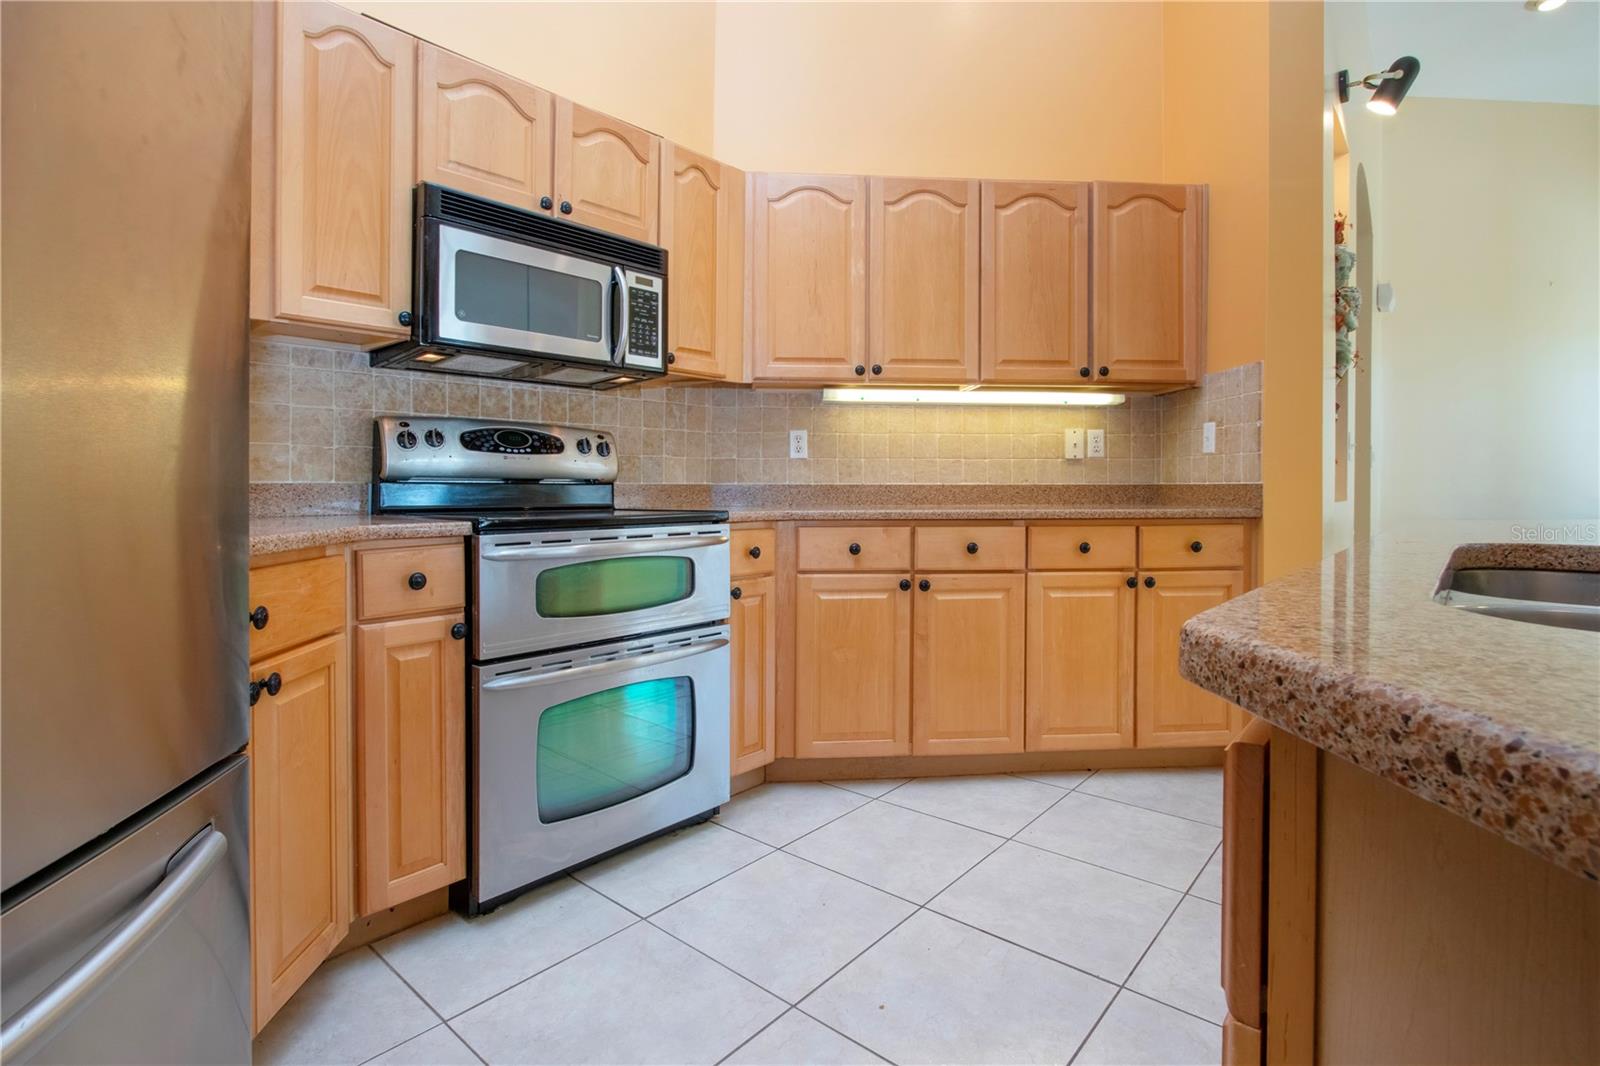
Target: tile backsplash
x=312 y=405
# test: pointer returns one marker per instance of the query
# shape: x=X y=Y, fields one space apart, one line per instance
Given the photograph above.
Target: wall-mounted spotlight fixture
x=1388 y=87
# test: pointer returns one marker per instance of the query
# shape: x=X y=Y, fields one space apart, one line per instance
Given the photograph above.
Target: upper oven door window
x=613 y=586
x=522 y=297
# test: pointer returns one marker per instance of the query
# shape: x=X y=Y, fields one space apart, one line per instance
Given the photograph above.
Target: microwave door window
x=490 y=291
x=608 y=747
x=565 y=305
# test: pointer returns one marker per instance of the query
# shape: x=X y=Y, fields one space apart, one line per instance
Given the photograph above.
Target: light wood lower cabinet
x=299 y=819
x=852 y=686
x=410 y=758
x=1081 y=651
x=752 y=622
x=1172 y=712
x=967 y=679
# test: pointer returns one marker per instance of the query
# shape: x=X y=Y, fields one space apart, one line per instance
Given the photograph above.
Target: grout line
x=680 y=899
x=753 y=1035
x=401 y=978
x=1154 y=810
x=1164 y=1003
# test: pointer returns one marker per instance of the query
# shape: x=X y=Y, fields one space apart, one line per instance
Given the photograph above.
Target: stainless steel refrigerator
x=124 y=227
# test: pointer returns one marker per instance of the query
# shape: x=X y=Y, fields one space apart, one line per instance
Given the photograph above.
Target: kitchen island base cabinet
x=410 y=759
x=1080 y=661
x=1172 y=712
x=300 y=818
x=968 y=664
x=852 y=686
x=752 y=625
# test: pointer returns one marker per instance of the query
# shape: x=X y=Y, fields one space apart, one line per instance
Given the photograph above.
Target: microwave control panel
x=644 y=319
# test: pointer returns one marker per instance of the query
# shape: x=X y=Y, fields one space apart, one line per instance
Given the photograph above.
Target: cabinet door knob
x=860 y=370
x=924 y=585
x=405 y=318
x=1195 y=546
x=566 y=207
x=417 y=579
x=755 y=551
x=258 y=617
x=271 y=685
x=855 y=549
x=1083 y=547
x=877 y=368
x=1083 y=371
x=1149 y=582
x=459 y=631
x=972 y=547
x=672 y=357
x=1104 y=371
x=255 y=692
x=545 y=203
x=905 y=584
x=737 y=592
x=1133 y=582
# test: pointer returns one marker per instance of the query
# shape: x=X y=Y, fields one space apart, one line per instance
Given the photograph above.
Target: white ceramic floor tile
x=651 y=875
x=1067 y=779
x=1157 y=847
x=875 y=787
x=898 y=850
x=1091 y=918
x=936 y=991
x=1000 y=805
x=1141 y=1032
x=639 y=997
x=1209 y=884
x=351 y=1009
x=455 y=963
x=784 y=923
x=796 y=1040
x=1182 y=968
x=1194 y=792
x=437 y=1047
x=779 y=813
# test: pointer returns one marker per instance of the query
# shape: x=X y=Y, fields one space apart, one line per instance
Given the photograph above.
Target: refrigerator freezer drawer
x=141 y=954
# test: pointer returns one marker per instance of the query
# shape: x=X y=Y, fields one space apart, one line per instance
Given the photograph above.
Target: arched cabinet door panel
x=702 y=229
x=923 y=260
x=1149 y=282
x=1035 y=321
x=607 y=171
x=481 y=131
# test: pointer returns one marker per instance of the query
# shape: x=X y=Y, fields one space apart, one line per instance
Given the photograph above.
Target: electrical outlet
x=1208 y=437
x=1097 y=444
x=798 y=448
x=1074 y=443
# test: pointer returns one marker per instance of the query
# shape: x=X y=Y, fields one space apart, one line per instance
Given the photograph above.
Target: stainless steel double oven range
x=599 y=678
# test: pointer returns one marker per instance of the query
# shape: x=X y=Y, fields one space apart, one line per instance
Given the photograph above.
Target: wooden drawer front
x=971 y=547
x=1083 y=547
x=753 y=552
x=302 y=601
x=880 y=548
x=384 y=578
x=1174 y=547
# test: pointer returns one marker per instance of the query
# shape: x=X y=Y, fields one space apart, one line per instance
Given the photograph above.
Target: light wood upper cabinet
x=1171 y=711
x=1035 y=273
x=967 y=680
x=702 y=229
x=607 y=171
x=340 y=162
x=1149 y=282
x=809 y=277
x=299 y=819
x=753 y=627
x=410 y=759
x=1080 y=660
x=923 y=283
x=481 y=131
x=852 y=665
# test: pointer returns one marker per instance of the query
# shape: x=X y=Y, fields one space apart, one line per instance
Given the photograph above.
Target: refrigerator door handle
x=57 y=1004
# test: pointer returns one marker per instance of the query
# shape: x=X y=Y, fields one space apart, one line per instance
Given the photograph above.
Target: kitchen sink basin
x=1567 y=598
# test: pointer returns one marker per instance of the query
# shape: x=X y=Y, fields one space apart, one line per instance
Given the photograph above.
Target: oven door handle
x=638 y=662
x=653 y=546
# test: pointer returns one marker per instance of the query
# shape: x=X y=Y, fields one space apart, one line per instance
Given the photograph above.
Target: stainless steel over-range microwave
x=506 y=293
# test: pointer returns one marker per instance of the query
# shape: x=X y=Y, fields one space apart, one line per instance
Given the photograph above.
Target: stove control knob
x=434 y=438
x=406 y=439
x=583 y=445
x=603 y=449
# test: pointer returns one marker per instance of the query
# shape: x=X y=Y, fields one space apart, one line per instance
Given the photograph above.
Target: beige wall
x=656 y=69
x=1487 y=390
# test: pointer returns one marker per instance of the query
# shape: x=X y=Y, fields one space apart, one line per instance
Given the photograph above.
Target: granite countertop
x=1493 y=719
x=932 y=512
x=281 y=534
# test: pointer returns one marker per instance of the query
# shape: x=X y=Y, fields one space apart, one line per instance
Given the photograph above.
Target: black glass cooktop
x=597 y=518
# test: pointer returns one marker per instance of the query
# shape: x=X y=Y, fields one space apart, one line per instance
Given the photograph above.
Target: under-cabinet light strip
x=995 y=398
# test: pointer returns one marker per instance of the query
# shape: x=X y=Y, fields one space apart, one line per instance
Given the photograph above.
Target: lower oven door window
x=613 y=586
x=605 y=748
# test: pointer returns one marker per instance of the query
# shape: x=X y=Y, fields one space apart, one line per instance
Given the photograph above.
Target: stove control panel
x=420 y=448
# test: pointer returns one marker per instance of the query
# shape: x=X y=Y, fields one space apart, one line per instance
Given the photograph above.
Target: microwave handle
x=619 y=353
x=574 y=673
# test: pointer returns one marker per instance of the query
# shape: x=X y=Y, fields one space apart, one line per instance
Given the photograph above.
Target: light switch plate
x=798 y=446
x=1097 y=444
x=1208 y=437
x=1074 y=443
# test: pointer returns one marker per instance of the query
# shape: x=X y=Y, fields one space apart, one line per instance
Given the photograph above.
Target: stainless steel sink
x=1567 y=598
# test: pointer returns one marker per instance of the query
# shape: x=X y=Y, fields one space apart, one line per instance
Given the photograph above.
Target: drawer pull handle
x=1149 y=582
x=737 y=592
x=417 y=580
x=755 y=551
x=459 y=631
x=972 y=547
x=905 y=584
x=1195 y=546
x=924 y=585
x=1133 y=582
x=1084 y=547
x=855 y=549
x=258 y=617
